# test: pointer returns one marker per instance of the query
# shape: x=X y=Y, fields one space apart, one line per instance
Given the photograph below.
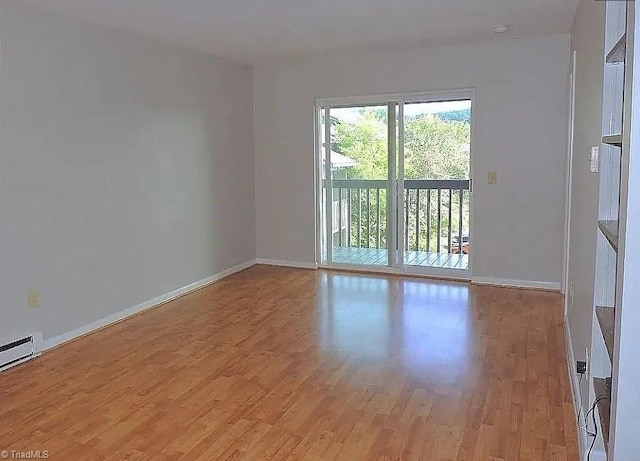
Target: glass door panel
x=436 y=186
x=356 y=185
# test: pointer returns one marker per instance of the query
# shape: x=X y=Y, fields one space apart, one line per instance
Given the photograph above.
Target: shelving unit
x=615 y=376
x=602 y=349
x=610 y=230
x=617 y=53
x=604 y=407
x=606 y=321
x=612 y=139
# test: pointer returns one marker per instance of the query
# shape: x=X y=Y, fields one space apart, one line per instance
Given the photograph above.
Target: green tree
x=434 y=147
x=366 y=143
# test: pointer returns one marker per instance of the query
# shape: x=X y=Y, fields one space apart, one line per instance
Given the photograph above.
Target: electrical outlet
x=33 y=298
x=492 y=178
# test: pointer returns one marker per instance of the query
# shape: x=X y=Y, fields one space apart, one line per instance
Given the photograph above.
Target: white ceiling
x=251 y=31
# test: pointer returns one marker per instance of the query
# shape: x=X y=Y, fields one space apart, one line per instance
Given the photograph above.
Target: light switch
x=33 y=298
x=492 y=178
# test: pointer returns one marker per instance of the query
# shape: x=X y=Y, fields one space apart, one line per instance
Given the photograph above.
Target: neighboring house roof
x=339 y=160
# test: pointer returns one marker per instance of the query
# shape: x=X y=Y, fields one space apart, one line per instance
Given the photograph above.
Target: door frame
x=396 y=264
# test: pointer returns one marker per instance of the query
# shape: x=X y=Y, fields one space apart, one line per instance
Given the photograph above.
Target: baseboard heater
x=17 y=351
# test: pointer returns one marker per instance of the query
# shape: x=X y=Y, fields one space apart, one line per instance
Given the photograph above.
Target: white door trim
x=569 y=182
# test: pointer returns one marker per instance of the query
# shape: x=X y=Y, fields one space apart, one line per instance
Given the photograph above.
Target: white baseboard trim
x=548 y=286
x=576 y=393
x=284 y=263
x=155 y=302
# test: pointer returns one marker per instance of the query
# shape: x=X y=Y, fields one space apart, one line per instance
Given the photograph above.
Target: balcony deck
x=378 y=257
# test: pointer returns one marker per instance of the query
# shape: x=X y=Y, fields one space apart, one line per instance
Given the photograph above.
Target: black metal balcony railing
x=436 y=214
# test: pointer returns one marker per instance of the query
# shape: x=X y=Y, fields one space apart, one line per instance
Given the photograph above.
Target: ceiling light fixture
x=500 y=29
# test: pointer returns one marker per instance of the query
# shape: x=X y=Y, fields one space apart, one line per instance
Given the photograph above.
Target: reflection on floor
x=278 y=363
x=379 y=257
x=430 y=331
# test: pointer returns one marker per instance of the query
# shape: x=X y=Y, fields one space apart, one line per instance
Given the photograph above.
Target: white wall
x=521 y=132
x=126 y=170
x=587 y=38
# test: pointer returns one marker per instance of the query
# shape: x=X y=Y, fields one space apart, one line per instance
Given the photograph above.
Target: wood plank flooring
x=289 y=364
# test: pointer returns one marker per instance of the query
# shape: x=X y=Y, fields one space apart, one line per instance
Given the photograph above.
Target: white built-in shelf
x=612 y=139
x=606 y=320
x=618 y=52
x=610 y=230
x=603 y=396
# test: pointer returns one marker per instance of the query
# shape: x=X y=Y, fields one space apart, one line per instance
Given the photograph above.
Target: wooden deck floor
x=290 y=364
x=378 y=257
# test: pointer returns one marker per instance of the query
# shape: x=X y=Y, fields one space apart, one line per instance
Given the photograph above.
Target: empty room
x=343 y=230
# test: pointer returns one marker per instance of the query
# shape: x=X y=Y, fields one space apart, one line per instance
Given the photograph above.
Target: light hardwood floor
x=278 y=363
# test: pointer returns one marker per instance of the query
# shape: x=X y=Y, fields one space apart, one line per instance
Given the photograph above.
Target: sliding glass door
x=357 y=158
x=394 y=183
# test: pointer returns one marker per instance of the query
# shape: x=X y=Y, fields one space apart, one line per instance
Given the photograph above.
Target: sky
x=351 y=114
x=435 y=107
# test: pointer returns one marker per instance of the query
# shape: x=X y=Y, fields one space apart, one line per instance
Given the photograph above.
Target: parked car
x=455 y=245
